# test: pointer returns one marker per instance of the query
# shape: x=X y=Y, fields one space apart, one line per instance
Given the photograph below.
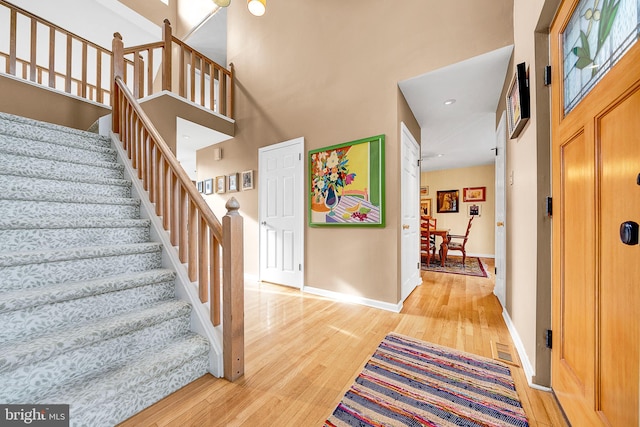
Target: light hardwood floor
x=302 y=353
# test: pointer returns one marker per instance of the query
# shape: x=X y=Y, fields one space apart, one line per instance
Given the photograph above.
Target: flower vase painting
x=347 y=184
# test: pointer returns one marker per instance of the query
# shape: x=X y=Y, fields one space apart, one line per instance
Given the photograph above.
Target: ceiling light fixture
x=257 y=7
x=449 y=101
x=222 y=3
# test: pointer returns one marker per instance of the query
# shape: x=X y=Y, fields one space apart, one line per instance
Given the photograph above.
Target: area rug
x=472 y=266
x=408 y=382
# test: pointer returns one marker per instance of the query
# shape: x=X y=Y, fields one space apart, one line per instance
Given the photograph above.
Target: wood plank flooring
x=303 y=352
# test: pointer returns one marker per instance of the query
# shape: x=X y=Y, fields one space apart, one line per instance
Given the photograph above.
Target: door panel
x=596 y=301
x=619 y=319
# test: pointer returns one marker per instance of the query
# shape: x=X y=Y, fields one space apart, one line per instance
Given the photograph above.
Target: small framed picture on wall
x=232 y=182
x=221 y=184
x=208 y=186
x=247 y=180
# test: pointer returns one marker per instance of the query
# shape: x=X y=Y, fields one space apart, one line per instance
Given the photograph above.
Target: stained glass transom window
x=598 y=34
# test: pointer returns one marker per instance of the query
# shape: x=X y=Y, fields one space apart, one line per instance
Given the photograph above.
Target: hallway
x=303 y=351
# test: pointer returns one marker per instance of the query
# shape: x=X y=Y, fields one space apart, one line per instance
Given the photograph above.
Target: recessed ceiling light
x=185 y=136
x=440 y=155
x=449 y=101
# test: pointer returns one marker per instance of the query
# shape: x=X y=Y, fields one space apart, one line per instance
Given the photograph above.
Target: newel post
x=117 y=70
x=167 y=38
x=233 y=292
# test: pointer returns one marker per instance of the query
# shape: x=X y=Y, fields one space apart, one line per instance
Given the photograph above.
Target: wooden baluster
x=192 y=78
x=167 y=56
x=67 y=81
x=52 y=57
x=214 y=279
x=183 y=233
x=231 y=91
x=11 y=65
x=212 y=87
x=233 y=292
x=99 y=97
x=150 y=72
x=182 y=83
x=136 y=74
x=175 y=209
x=203 y=67
x=203 y=259
x=34 y=43
x=193 y=239
x=83 y=84
x=222 y=93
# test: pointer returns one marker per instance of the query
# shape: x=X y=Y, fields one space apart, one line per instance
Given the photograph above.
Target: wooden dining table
x=444 y=246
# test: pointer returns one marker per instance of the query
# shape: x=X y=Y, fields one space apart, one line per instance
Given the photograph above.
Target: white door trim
x=415 y=277
x=299 y=142
x=500 y=288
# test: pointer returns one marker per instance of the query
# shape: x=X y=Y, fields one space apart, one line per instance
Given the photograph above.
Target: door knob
x=500 y=224
x=264 y=223
x=405 y=226
x=629 y=233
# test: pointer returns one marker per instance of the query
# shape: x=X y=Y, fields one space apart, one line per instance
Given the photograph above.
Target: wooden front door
x=596 y=188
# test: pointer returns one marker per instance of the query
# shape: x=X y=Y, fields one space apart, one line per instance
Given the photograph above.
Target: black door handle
x=629 y=233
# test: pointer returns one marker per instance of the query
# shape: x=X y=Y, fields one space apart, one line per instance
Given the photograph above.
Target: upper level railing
x=44 y=53
x=198 y=79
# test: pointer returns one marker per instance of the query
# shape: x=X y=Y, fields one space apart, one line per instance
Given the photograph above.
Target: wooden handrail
x=200 y=237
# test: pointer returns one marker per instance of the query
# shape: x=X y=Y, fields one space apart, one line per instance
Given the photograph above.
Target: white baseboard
x=352 y=299
x=479 y=255
x=526 y=363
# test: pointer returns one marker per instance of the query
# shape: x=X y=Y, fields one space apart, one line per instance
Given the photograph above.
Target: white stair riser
x=49 y=273
x=40 y=149
x=41 y=209
x=59 y=238
x=30 y=322
x=23 y=183
x=61 y=372
x=13 y=164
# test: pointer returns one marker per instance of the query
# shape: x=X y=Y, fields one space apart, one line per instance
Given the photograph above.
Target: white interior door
x=280 y=213
x=500 y=288
x=410 y=201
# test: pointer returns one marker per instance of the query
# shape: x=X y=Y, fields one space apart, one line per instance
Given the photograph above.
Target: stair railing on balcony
x=37 y=47
x=49 y=55
x=201 y=240
x=200 y=79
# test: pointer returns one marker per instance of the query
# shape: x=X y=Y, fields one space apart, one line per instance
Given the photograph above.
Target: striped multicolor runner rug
x=408 y=382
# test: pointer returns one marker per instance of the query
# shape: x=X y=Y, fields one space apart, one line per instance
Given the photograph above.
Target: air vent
x=503 y=353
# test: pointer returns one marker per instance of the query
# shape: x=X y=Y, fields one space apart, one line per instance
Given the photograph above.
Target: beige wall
x=29 y=100
x=329 y=72
x=482 y=234
x=528 y=230
x=154 y=10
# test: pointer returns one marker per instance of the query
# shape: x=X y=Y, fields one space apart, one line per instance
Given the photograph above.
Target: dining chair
x=427 y=240
x=460 y=246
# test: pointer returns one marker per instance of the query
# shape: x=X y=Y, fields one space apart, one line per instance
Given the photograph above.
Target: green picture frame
x=346 y=184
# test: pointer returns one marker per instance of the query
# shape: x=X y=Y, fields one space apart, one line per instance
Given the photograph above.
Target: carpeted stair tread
x=53 y=175
x=25 y=298
x=44 y=347
x=36 y=196
x=75 y=223
x=122 y=393
x=54 y=144
x=25 y=234
x=13 y=124
x=39 y=257
x=22 y=155
x=44 y=185
x=31 y=322
x=64 y=371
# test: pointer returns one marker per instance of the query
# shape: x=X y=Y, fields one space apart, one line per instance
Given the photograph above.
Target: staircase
x=88 y=315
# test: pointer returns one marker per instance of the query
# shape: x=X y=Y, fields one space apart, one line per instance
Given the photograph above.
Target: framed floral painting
x=346 y=184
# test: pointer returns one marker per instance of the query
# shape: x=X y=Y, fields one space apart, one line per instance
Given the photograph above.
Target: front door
x=280 y=212
x=410 y=185
x=596 y=188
